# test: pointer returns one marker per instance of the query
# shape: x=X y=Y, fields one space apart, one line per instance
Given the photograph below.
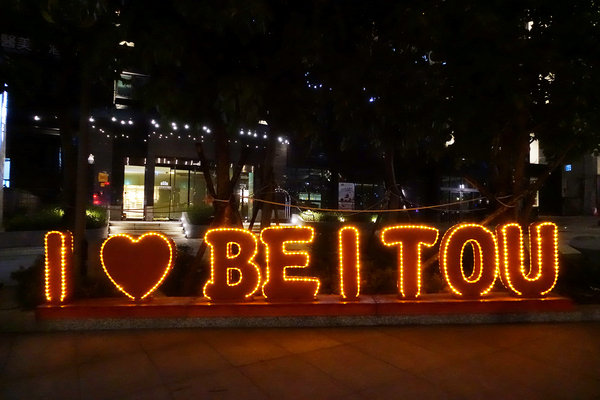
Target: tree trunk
x=396 y=199
x=68 y=148
x=268 y=183
x=224 y=203
x=81 y=193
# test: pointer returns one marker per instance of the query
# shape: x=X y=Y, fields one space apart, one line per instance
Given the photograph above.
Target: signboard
x=138 y=266
x=102 y=177
x=345 y=196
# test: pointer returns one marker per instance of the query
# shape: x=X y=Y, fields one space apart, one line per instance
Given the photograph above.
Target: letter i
x=57 y=269
x=349 y=256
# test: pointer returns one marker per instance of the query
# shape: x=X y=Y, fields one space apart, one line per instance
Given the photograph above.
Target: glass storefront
x=175 y=189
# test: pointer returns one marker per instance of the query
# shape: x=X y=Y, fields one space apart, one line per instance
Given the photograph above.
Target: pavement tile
x=229 y=384
x=406 y=386
x=96 y=346
x=6 y=342
x=186 y=360
x=114 y=377
x=468 y=379
x=455 y=342
x=503 y=336
x=36 y=354
x=402 y=354
x=155 y=393
x=522 y=361
x=350 y=396
x=293 y=378
x=55 y=384
x=301 y=340
x=241 y=347
x=161 y=338
x=568 y=385
x=579 y=354
x=509 y=375
x=547 y=377
x=353 y=368
x=353 y=334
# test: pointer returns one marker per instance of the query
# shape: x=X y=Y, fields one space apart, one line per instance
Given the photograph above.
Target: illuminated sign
x=542 y=274
x=57 y=266
x=138 y=266
x=233 y=273
x=409 y=239
x=279 y=284
x=485 y=259
x=349 y=256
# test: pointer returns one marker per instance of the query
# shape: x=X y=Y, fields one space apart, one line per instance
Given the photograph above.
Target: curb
x=27 y=323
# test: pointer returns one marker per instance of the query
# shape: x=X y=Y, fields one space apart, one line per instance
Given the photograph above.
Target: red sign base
x=325 y=305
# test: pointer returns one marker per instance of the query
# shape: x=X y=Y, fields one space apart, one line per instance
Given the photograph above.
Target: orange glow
x=409 y=239
x=542 y=274
x=58 y=252
x=279 y=285
x=349 y=256
x=485 y=259
x=137 y=266
x=231 y=249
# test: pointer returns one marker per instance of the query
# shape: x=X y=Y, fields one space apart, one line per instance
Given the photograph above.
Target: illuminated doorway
x=133 y=192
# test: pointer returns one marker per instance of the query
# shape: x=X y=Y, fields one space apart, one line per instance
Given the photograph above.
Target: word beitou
x=138 y=266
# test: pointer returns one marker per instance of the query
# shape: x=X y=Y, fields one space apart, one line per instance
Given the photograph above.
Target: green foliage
x=316 y=216
x=200 y=214
x=96 y=217
x=45 y=219
x=360 y=217
x=30 y=284
x=52 y=218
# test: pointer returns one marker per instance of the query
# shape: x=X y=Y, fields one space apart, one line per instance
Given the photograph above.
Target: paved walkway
x=529 y=361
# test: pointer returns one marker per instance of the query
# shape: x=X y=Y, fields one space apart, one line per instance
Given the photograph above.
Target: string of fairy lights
x=117 y=128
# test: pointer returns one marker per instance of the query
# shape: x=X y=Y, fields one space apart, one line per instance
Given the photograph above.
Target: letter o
x=485 y=260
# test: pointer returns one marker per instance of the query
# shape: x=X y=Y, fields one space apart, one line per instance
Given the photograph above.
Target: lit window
x=6 y=178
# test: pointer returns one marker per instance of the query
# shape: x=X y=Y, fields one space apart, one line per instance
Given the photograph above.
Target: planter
x=589 y=246
x=97 y=234
x=192 y=231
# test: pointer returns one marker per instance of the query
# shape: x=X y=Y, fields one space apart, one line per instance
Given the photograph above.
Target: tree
x=202 y=69
x=383 y=87
x=227 y=65
x=517 y=72
x=84 y=36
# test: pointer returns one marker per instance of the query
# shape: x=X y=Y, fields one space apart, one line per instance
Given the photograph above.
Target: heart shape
x=137 y=266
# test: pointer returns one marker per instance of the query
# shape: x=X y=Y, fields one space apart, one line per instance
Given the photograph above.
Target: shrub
x=200 y=214
x=360 y=217
x=45 y=219
x=95 y=217
x=52 y=218
x=316 y=216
